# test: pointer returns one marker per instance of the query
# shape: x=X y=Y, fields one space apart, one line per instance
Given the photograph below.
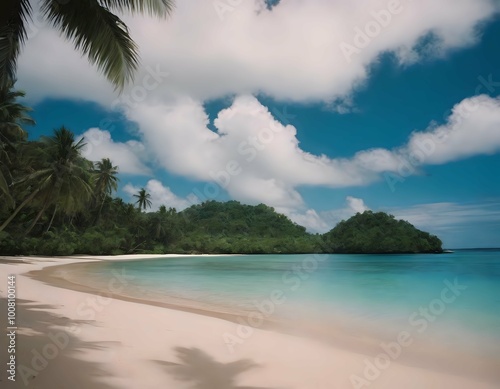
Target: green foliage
x=234 y=218
x=95 y=241
x=215 y=227
x=12 y=116
x=8 y=244
x=143 y=199
x=49 y=243
x=379 y=232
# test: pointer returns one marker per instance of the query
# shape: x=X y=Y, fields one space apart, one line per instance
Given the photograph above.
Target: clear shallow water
x=384 y=294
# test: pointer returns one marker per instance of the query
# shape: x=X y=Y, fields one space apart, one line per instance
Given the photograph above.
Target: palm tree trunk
x=98 y=216
x=21 y=206
x=4 y=187
x=135 y=248
x=52 y=219
x=33 y=223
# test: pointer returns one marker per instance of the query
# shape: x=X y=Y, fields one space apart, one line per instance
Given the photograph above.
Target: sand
x=69 y=338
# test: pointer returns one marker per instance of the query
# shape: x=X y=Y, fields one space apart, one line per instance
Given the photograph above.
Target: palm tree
x=158 y=223
x=91 y=25
x=63 y=178
x=105 y=181
x=143 y=199
x=12 y=116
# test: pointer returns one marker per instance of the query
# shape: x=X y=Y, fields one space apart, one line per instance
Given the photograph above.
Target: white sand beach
x=76 y=339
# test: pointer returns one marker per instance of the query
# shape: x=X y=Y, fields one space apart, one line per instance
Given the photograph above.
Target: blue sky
x=332 y=133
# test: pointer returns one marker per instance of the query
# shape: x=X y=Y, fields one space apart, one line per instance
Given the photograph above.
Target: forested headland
x=377 y=233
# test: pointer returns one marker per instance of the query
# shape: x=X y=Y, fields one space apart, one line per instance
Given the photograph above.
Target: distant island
x=215 y=227
x=379 y=233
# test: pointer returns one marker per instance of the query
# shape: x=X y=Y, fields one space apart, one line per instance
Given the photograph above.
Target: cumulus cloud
x=256 y=158
x=324 y=221
x=294 y=51
x=472 y=129
x=357 y=205
x=253 y=156
x=49 y=67
x=162 y=195
x=310 y=219
x=99 y=144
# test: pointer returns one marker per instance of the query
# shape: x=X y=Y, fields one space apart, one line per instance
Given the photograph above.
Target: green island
x=211 y=227
x=379 y=233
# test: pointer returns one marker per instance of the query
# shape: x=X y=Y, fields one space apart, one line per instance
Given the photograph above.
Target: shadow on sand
x=45 y=363
x=204 y=372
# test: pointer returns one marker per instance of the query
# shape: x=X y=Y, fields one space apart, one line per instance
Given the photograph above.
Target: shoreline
x=425 y=355
x=48 y=274
x=191 y=332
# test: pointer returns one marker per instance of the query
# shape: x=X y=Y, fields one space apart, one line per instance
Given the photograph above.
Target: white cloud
x=473 y=128
x=453 y=221
x=447 y=214
x=324 y=221
x=309 y=219
x=255 y=158
x=125 y=155
x=292 y=52
x=357 y=205
x=162 y=195
x=49 y=67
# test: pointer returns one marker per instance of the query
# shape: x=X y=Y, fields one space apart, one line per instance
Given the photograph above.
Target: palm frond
x=160 y=8
x=14 y=14
x=99 y=34
x=74 y=192
x=105 y=180
x=13 y=115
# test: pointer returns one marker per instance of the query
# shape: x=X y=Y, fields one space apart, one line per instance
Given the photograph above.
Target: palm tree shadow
x=204 y=372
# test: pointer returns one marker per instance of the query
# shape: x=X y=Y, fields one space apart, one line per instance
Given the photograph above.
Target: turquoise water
x=384 y=294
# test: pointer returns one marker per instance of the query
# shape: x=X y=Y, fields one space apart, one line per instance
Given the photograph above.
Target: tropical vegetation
x=378 y=232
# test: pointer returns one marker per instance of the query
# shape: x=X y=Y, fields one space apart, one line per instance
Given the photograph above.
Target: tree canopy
x=378 y=232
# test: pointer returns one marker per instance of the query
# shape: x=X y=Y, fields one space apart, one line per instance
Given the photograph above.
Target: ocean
x=444 y=301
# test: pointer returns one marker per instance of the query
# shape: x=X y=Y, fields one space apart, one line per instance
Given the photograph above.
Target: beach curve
x=143 y=345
